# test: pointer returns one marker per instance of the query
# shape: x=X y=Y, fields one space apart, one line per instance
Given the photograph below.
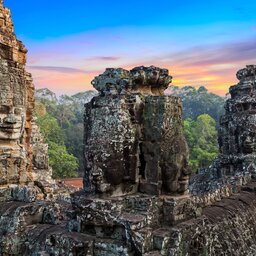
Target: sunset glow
x=200 y=44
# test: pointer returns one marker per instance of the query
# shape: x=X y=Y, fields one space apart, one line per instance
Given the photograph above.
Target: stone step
x=110 y=247
x=133 y=221
x=16 y=216
x=142 y=240
x=130 y=228
x=56 y=240
x=142 y=203
x=177 y=209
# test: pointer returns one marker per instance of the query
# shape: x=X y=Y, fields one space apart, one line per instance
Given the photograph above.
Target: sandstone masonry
x=18 y=159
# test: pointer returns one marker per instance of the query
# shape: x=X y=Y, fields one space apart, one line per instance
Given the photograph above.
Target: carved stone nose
x=10 y=119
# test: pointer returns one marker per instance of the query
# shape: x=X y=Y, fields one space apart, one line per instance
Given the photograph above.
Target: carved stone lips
x=10 y=128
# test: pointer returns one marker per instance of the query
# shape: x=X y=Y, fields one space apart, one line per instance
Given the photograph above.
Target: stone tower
x=237 y=137
x=236 y=163
x=18 y=162
x=133 y=135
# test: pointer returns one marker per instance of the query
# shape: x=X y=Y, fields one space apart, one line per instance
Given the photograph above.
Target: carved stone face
x=247 y=135
x=12 y=122
x=249 y=144
x=12 y=103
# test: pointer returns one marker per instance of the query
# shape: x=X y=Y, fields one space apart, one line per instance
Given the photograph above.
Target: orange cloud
x=212 y=66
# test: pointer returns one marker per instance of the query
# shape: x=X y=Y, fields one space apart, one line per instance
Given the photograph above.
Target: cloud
x=103 y=58
x=57 y=69
x=198 y=60
x=211 y=65
x=231 y=52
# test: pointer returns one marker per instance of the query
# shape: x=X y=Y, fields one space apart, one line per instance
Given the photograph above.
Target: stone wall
x=228 y=227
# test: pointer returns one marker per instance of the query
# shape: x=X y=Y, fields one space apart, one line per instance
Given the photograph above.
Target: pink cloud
x=56 y=69
x=103 y=58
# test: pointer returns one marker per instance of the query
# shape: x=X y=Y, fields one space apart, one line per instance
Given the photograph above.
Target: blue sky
x=200 y=42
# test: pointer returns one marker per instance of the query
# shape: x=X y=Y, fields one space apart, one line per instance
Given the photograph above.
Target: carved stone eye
x=4 y=109
x=17 y=111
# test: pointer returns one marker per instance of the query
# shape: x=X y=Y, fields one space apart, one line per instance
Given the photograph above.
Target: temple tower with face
x=237 y=137
x=18 y=162
x=134 y=135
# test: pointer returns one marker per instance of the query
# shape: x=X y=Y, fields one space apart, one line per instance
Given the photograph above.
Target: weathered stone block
x=178 y=209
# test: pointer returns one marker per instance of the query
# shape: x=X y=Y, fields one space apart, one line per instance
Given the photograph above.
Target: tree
x=74 y=143
x=50 y=128
x=64 y=165
x=201 y=136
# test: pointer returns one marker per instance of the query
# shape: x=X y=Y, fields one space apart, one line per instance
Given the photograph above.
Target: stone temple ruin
x=237 y=137
x=133 y=135
x=236 y=163
x=21 y=144
x=136 y=198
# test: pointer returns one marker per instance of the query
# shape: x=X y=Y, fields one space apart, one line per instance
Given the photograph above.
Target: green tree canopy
x=201 y=135
x=50 y=128
x=64 y=164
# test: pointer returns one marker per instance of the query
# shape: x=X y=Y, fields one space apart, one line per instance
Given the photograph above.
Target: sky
x=202 y=43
